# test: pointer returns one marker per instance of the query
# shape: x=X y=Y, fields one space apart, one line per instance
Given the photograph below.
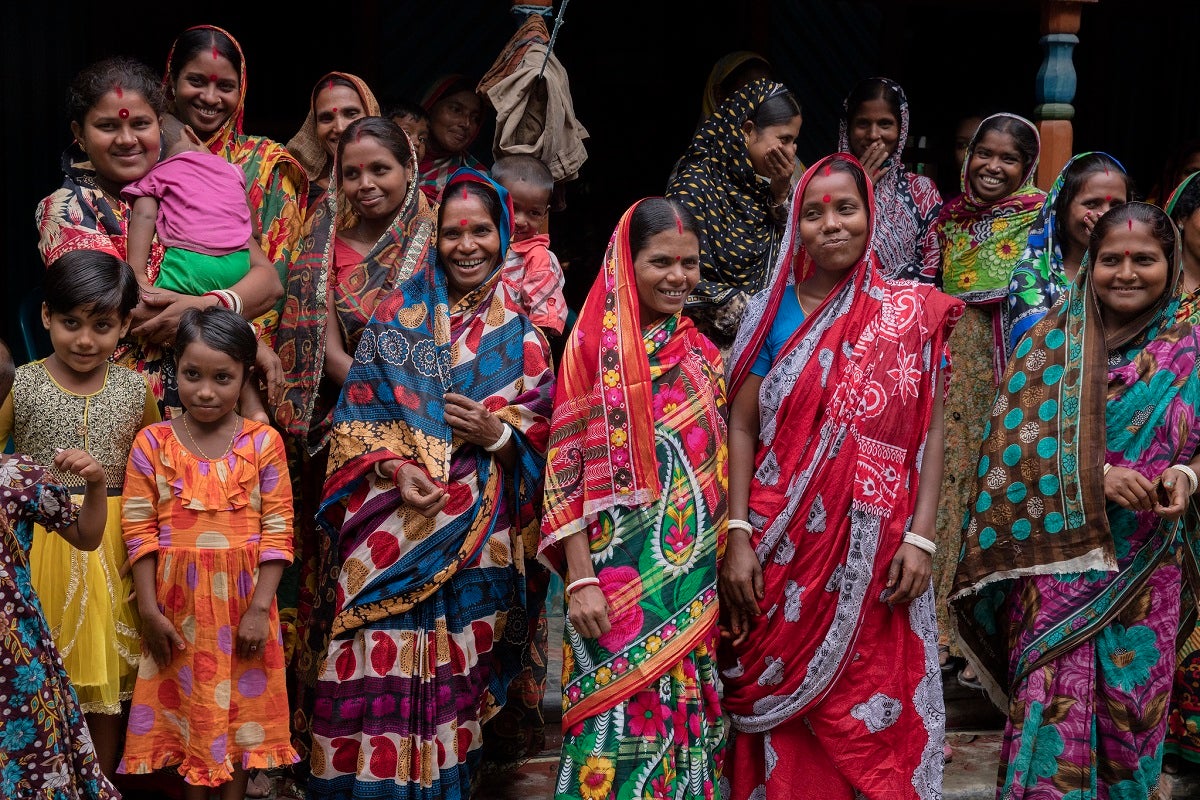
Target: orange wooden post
x=1055 y=89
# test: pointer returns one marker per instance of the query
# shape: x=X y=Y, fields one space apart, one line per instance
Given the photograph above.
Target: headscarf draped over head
x=412 y=328
x=1189 y=308
x=908 y=204
x=1049 y=434
x=983 y=241
x=438 y=165
x=717 y=183
x=418 y=347
x=601 y=452
x=726 y=65
x=402 y=251
x=276 y=183
x=305 y=146
x=1173 y=200
x=1040 y=277
x=233 y=125
x=844 y=415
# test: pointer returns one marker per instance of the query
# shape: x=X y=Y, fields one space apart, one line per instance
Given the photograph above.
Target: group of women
x=759 y=526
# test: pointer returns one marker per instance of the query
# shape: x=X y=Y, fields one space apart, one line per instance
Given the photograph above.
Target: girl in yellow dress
x=77 y=398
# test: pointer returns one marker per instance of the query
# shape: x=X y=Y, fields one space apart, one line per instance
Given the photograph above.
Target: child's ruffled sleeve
x=275 y=485
x=139 y=501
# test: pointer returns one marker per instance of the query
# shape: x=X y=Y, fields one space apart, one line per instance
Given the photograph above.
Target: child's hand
x=252 y=634
x=159 y=638
x=81 y=463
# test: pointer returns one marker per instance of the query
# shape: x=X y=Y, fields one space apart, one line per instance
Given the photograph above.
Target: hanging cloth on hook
x=528 y=88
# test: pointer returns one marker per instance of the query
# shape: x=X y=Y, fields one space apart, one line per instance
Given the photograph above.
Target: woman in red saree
x=830 y=673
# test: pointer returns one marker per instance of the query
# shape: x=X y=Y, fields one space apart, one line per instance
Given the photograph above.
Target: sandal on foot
x=972 y=682
x=260 y=784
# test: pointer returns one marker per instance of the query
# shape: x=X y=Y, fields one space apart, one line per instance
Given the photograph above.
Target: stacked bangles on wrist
x=227 y=298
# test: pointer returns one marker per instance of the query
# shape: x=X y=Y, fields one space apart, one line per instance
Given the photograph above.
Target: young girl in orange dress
x=207 y=518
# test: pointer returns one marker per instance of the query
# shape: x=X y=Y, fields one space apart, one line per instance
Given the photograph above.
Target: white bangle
x=1107 y=467
x=740 y=525
x=581 y=582
x=1193 y=480
x=502 y=440
x=920 y=541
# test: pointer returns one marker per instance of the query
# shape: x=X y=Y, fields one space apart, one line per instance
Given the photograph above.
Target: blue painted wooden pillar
x=1055 y=90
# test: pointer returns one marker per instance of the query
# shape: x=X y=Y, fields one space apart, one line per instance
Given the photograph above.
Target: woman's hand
x=1171 y=495
x=160 y=326
x=779 y=166
x=159 y=637
x=252 y=634
x=417 y=489
x=268 y=363
x=588 y=611
x=908 y=574
x=1131 y=489
x=471 y=420
x=83 y=464
x=741 y=585
x=872 y=160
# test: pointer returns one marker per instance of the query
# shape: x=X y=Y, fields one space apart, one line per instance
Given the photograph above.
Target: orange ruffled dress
x=210 y=523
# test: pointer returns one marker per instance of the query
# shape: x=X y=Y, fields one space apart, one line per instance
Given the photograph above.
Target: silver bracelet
x=917 y=540
x=503 y=440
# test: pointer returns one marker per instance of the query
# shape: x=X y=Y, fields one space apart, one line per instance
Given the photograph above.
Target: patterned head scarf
x=232 y=126
x=1173 y=200
x=1040 y=277
x=717 y=183
x=983 y=241
x=794 y=266
x=305 y=146
x=726 y=66
x=602 y=404
x=468 y=175
x=1049 y=417
x=1039 y=505
x=905 y=214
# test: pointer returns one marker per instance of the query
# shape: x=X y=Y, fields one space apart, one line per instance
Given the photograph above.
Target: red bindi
x=825 y=198
x=123 y=113
x=213 y=78
x=1108 y=198
x=335 y=110
x=1126 y=252
x=678 y=258
x=462 y=223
